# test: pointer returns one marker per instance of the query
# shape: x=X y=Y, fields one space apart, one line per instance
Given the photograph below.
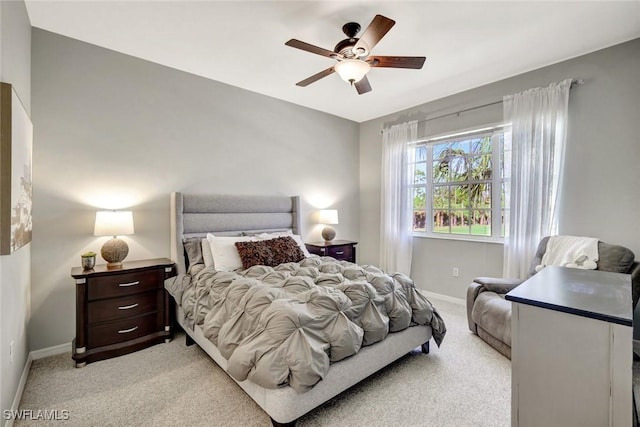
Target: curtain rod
x=574 y=82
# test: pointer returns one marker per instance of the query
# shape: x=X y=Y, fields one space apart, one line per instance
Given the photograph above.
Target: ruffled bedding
x=285 y=325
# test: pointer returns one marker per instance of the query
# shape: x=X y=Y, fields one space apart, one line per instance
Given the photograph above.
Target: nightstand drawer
x=124 y=330
x=340 y=252
x=129 y=306
x=125 y=284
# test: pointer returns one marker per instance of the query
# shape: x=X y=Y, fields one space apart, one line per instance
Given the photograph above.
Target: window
x=455 y=189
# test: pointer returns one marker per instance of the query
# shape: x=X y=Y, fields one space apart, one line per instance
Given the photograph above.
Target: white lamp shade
x=328 y=216
x=113 y=223
x=352 y=70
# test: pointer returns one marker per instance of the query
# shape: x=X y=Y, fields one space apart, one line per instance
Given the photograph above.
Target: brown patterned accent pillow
x=254 y=253
x=284 y=249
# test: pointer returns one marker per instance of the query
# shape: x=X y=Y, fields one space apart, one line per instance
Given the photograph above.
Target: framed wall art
x=16 y=190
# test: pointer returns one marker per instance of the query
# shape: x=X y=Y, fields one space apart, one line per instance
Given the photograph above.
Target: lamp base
x=328 y=233
x=114 y=251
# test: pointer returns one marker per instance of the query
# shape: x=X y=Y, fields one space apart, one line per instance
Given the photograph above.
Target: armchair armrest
x=472 y=293
x=635 y=283
x=497 y=285
x=481 y=284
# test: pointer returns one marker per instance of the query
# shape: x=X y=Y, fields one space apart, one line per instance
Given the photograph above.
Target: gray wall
x=601 y=192
x=15 y=277
x=113 y=131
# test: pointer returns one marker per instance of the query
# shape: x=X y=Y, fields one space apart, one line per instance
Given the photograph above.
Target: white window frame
x=496 y=184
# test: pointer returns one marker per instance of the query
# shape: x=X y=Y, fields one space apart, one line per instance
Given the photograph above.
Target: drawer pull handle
x=339 y=252
x=124 y=285
x=126 y=331
x=127 y=307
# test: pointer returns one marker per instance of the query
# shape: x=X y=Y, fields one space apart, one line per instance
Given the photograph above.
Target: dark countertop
x=102 y=269
x=324 y=244
x=589 y=293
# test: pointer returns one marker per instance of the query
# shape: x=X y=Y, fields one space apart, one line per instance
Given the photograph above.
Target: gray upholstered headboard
x=194 y=215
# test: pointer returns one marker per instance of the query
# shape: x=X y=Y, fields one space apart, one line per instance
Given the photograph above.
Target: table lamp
x=114 y=223
x=328 y=216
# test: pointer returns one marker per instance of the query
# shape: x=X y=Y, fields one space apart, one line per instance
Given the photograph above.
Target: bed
x=196 y=216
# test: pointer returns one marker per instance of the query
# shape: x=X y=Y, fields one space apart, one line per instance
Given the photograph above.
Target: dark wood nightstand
x=119 y=311
x=344 y=250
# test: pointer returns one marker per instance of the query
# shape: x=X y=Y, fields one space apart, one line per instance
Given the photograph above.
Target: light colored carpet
x=464 y=383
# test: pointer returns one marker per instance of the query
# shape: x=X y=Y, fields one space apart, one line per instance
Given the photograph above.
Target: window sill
x=462 y=238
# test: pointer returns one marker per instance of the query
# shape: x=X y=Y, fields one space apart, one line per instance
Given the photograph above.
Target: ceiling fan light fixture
x=353 y=57
x=352 y=70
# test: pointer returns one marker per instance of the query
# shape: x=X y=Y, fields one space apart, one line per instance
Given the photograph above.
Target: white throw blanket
x=571 y=251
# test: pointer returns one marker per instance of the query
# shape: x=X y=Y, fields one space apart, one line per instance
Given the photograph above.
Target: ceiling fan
x=353 y=54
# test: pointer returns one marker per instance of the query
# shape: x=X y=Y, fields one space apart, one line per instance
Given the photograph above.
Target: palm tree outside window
x=458 y=185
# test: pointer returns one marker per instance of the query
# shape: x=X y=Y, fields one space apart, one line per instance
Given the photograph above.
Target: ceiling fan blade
x=379 y=26
x=363 y=86
x=313 y=49
x=414 y=62
x=316 y=77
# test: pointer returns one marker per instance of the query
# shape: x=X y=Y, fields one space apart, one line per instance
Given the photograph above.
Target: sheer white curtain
x=396 y=243
x=535 y=134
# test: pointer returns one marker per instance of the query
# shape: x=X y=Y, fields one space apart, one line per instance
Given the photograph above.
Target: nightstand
x=119 y=311
x=344 y=250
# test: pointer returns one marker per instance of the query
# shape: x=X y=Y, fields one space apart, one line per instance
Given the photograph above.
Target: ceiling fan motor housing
x=350 y=29
x=344 y=47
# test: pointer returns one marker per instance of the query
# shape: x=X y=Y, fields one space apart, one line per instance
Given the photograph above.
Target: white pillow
x=295 y=237
x=300 y=243
x=206 y=252
x=224 y=252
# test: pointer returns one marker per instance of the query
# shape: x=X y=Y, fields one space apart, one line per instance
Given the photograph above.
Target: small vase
x=88 y=262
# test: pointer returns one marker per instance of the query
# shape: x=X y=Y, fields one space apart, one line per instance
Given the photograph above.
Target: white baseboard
x=18 y=397
x=454 y=300
x=34 y=355
x=51 y=351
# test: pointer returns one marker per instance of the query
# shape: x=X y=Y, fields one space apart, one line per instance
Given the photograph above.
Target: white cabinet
x=571 y=349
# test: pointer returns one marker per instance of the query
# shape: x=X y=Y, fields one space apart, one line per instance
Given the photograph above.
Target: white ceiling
x=467 y=44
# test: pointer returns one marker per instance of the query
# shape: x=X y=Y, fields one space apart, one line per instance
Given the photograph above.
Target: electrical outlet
x=11 y=351
x=456 y=272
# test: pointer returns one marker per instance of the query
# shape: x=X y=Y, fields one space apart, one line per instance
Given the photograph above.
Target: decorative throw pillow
x=224 y=253
x=193 y=251
x=296 y=237
x=254 y=253
x=284 y=249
